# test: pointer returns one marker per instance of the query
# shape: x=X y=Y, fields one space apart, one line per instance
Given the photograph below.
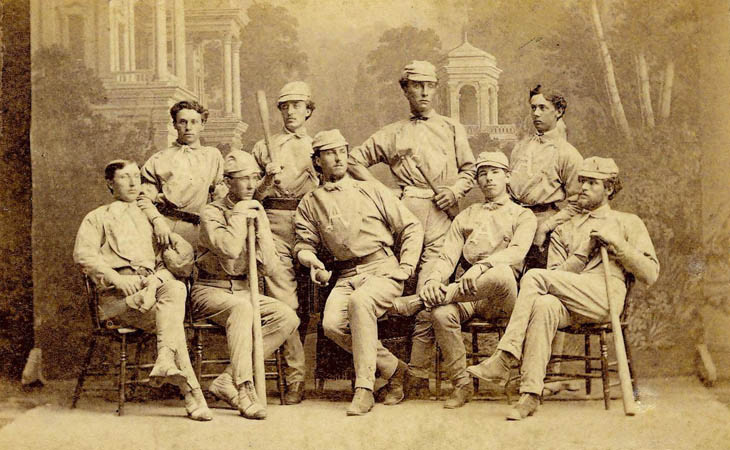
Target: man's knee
x=289 y=320
x=172 y=290
x=445 y=316
x=546 y=306
x=332 y=325
x=360 y=301
x=533 y=277
x=241 y=308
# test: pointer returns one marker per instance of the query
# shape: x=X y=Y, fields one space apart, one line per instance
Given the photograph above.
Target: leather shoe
x=526 y=406
x=495 y=369
x=166 y=371
x=248 y=402
x=196 y=407
x=294 y=393
x=362 y=402
x=460 y=396
x=394 y=392
x=406 y=306
x=223 y=388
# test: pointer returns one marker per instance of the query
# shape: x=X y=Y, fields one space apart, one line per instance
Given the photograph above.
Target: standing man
x=221 y=290
x=573 y=287
x=493 y=237
x=358 y=222
x=425 y=149
x=180 y=180
x=116 y=250
x=296 y=177
x=544 y=170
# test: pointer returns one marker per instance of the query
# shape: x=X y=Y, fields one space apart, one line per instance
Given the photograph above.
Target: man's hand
x=445 y=199
x=468 y=281
x=586 y=247
x=316 y=267
x=162 y=231
x=609 y=235
x=127 y=284
x=432 y=293
x=249 y=208
x=272 y=170
x=540 y=236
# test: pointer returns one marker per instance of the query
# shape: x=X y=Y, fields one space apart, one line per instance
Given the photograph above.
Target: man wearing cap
x=295 y=175
x=179 y=180
x=493 y=238
x=425 y=150
x=116 y=250
x=221 y=289
x=544 y=170
x=573 y=288
x=358 y=222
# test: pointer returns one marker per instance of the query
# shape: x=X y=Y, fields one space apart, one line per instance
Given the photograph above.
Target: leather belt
x=354 y=262
x=281 y=203
x=539 y=208
x=168 y=211
x=207 y=276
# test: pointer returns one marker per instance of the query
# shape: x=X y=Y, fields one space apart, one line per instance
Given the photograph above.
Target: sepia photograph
x=365 y=224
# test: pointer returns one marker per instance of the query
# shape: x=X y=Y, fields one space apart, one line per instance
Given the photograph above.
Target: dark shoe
x=525 y=407
x=166 y=371
x=248 y=402
x=495 y=369
x=223 y=388
x=417 y=387
x=362 y=402
x=406 y=306
x=394 y=392
x=294 y=393
x=460 y=396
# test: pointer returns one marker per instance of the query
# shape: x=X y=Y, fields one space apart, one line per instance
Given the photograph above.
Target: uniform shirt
x=223 y=244
x=544 y=170
x=111 y=237
x=184 y=175
x=294 y=153
x=637 y=257
x=495 y=233
x=439 y=142
x=357 y=218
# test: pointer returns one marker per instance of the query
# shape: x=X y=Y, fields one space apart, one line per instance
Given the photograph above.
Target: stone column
x=160 y=40
x=484 y=109
x=113 y=40
x=132 y=42
x=125 y=44
x=227 y=74
x=493 y=110
x=454 y=101
x=180 y=64
x=237 y=78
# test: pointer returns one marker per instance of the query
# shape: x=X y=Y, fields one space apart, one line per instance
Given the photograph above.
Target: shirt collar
x=496 y=203
x=341 y=185
x=550 y=136
x=194 y=146
x=118 y=207
x=428 y=115
x=599 y=213
x=300 y=133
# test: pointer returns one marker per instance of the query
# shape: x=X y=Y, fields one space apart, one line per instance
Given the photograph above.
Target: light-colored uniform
x=572 y=289
x=181 y=179
x=441 y=145
x=358 y=222
x=496 y=234
x=117 y=238
x=221 y=290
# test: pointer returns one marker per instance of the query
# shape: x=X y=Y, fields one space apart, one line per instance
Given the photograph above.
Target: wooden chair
x=602 y=330
x=108 y=330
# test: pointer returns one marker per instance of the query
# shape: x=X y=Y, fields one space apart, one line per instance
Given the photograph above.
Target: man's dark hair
x=316 y=152
x=189 y=104
x=614 y=183
x=404 y=82
x=555 y=98
x=309 y=104
x=111 y=168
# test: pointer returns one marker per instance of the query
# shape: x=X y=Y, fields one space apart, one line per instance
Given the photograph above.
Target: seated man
x=573 y=288
x=493 y=238
x=358 y=222
x=221 y=289
x=115 y=248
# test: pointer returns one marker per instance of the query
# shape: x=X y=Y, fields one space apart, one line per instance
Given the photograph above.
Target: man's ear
x=507 y=176
x=109 y=185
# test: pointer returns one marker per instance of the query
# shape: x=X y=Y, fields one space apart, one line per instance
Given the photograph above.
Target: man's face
x=333 y=163
x=544 y=114
x=188 y=124
x=126 y=183
x=592 y=194
x=492 y=181
x=420 y=95
x=294 y=113
x=242 y=187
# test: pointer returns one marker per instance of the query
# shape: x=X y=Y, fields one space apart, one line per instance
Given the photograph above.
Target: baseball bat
x=259 y=372
x=264 y=116
x=627 y=391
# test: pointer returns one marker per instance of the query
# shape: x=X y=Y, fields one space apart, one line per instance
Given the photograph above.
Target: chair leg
x=84 y=369
x=280 y=375
x=141 y=345
x=437 y=368
x=122 y=374
x=604 y=371
x=634 y=384
x=198 y=345
x=589 y=366
x=474 y=357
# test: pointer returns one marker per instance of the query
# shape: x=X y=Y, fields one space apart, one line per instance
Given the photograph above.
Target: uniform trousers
x=166 y=319
x=549 y=300
x=231 y=307
x=282 y=286
x=351 y=313
x=187 y=230
x=495 y=298
x=435 y=223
